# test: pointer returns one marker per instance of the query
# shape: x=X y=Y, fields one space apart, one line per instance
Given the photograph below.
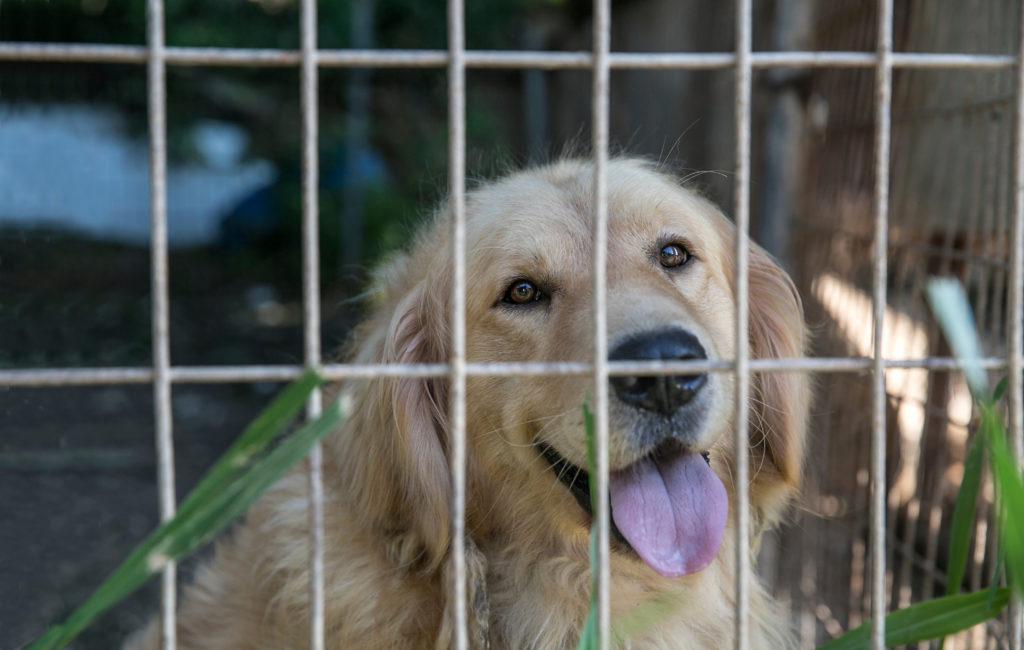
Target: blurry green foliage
x=408 y=108
x=259 y=23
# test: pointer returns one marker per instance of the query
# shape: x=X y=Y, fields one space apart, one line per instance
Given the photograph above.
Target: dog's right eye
x=673 y=255
x=522 y=292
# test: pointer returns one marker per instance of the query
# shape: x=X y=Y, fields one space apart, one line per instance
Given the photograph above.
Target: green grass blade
x=260 y=433
x=588 y=426
x=642 y=617
x=997 y=570
x=949 y=303
x=931 y=619
x=588 y=635
x=941 y=617
x=1010 y=489
x=237 y=495
x=234 y=482
x=963 y=513
x=954 y=314
x=1000 y=390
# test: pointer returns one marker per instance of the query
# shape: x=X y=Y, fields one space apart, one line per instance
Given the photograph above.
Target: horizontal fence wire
x=382 y=58
x=42 y=377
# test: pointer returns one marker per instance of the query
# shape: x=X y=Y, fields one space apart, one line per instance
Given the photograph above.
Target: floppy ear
x=418 y=333
x=781 y=399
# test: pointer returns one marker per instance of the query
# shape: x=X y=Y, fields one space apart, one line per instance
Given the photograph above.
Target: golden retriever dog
x=386 y=471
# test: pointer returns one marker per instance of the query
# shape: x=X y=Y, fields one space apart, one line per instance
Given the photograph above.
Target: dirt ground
x=77 y=470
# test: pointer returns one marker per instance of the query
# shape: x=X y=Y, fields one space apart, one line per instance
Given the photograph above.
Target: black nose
x=664 y=394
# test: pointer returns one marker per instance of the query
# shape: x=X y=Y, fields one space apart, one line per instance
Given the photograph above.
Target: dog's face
x=670 y=296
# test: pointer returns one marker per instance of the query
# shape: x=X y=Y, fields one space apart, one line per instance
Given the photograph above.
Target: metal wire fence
x=163 y=375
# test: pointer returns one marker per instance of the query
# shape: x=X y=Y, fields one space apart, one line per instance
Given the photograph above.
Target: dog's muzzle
x=665 y=394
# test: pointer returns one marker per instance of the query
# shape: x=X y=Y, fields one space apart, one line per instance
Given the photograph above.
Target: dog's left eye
x=522 y=292
x=673 y=255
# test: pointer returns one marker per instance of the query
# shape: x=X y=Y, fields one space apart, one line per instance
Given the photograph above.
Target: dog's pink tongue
x=671 y=511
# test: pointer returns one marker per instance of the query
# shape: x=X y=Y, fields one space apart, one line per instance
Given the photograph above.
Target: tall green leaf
x=231 y=485
x=940 y=617
x=644 y=616
x=641 y=617
x=1010 y=491
x=1000 y=390
x=589 y=633
x=254 y=440
x=949 y=303
x=963 y=514
x=931 y=619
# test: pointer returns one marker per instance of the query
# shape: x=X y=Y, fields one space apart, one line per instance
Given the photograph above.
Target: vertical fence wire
x=883 y=106
x=599 y=136
x=742 y=367
x=308 y=77
x=159 y=297
x=1015 y=309
x=457 y=359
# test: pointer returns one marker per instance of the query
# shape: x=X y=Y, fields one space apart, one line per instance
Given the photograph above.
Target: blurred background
x=77 y=469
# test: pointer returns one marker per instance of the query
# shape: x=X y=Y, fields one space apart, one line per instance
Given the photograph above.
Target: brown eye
x=673 y=255
x=522 y=292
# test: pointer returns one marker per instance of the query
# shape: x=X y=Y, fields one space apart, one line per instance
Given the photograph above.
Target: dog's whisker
x=522 y=422
x=566 y=466
x=768 y=407
x=579 y=470
x=696 y=174
x=499 y=430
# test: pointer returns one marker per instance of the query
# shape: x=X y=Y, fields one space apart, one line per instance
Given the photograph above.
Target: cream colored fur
x=387 y=485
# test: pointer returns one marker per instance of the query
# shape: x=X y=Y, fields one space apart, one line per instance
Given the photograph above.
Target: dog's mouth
x=669 y=507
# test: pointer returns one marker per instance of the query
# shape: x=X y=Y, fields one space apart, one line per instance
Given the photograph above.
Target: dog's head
x=529 y=297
